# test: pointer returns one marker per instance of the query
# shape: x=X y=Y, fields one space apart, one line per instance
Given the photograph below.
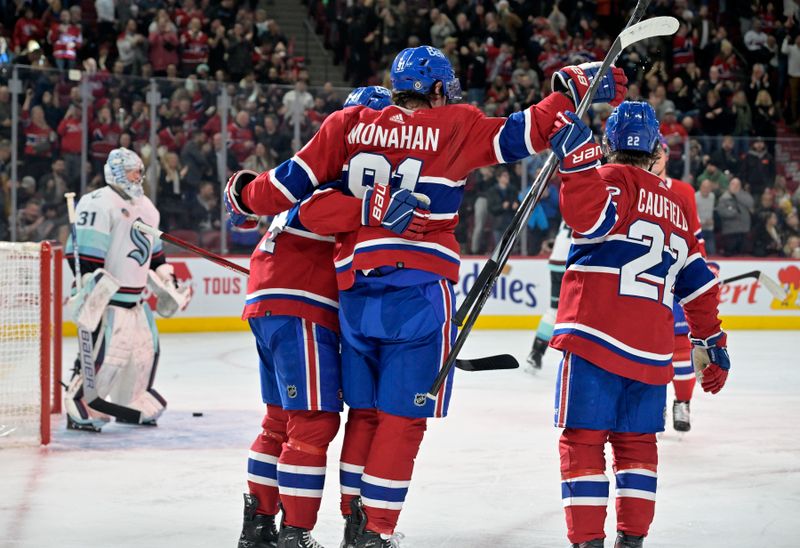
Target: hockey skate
x=79 y=415
x=594 y=543
x=628 y=541
x=87 y=425
x=151 y=422
x=258 y=530
x=680 y=416
x=295 y=537
x=352 y=524
x=535 y=357
x=370 y=539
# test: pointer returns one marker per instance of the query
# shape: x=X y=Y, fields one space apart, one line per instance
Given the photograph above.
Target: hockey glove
x=572 y=142
x=574 y=81
x=240 y=215
x=171 y=295
x=399 y=210
x=711 y=362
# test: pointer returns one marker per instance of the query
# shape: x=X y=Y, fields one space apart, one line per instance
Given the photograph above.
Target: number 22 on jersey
x=635 y=281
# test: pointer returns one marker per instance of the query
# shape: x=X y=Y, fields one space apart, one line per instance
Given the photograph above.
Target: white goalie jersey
x=107 y=239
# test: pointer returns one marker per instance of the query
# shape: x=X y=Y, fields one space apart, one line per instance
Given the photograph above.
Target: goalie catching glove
x=88 y=304
x=171 y=294
x=711 y=362
x=574 y=82
x=240 y=216
x=399 y=210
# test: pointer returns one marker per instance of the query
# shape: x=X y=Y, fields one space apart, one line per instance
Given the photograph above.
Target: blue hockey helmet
x=632 y=126
x=374 y=97
x=418 y=69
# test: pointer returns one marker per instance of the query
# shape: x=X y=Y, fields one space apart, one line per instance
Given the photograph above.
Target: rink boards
x=520 y=297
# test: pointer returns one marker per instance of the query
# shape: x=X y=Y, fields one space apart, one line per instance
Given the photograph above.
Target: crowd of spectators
x=724 y=87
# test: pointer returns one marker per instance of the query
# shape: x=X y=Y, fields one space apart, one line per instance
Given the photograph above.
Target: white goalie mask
x=125 y=170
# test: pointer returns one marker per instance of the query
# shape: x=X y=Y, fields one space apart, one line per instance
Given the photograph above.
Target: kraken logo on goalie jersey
x=142 y=252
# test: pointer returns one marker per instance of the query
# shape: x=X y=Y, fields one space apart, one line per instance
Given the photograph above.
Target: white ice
x=486 y=476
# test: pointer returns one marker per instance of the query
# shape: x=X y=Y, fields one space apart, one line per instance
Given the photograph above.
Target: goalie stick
x=635 y=31
x=771 y=285
x=493 y=363
x=86 y=353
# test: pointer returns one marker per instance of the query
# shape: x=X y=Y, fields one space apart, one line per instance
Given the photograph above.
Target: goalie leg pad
x=301 y=466
x=88 y=304
x=77 y=408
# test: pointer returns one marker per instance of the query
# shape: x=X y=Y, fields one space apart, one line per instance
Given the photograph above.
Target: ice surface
x=487 y=476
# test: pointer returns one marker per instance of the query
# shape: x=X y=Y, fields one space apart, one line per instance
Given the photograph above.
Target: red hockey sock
x=635 y=466
x=262 y=473
x=684 y=379
x=584 y=485
x=388 y=469
x=358 y=433
x=301 y=466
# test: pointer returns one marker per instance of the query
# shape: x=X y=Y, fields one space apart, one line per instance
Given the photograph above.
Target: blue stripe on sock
x=300 y=481
x=584 y=489
x=350 y=479
x=388 y=494
x=263 y=469
x=636 y=481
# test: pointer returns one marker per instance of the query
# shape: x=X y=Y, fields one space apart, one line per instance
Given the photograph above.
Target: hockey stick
x=213 y=257
x=85 y=343
x=473 y=304
x=771 y=285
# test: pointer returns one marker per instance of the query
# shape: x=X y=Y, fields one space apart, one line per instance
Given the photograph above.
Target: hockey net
x=30 y=341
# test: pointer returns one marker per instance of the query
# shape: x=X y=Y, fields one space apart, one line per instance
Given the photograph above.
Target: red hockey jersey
x=687 y=191
x=291 y=274
x=633 y=252
x=430 y=151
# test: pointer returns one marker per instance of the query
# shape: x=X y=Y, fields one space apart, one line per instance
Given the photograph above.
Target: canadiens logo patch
x=291 y=391
x=420 y=400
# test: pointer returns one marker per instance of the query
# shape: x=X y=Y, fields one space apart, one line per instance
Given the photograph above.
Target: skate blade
x=83 y=427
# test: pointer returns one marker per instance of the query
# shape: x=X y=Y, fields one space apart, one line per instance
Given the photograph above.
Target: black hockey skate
x=353 y=524
x=594 y=543
x=295 y=537
x=625 y=540
x=72 y=424
x=681 y=416
x=258 y=530
x=537 y=352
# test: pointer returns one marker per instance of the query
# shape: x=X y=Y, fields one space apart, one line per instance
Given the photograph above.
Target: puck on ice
x=197 y=414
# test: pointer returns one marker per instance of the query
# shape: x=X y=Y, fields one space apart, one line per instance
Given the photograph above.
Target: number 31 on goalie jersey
x=366 y=169
x=641 y=277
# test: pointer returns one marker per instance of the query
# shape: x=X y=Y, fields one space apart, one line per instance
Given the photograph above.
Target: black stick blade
x=489 y=363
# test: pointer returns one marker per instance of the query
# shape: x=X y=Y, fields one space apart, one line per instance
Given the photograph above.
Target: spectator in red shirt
x=163 y=44
x=105 y=134
x=70 y=132
x=240 y=137
x=67 y=40
x=27 y=28
x=173 y=137
x=39 y=139
x=194 y=47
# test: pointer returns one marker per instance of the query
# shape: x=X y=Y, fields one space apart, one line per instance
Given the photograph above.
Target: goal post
x=30 y=341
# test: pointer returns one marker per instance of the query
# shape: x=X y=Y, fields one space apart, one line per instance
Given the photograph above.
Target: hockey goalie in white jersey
x=117 y=262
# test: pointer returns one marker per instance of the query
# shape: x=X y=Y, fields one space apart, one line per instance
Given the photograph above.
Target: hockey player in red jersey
x=397 y=257
x=633 y=254
x=292 y=307
x=684 y=380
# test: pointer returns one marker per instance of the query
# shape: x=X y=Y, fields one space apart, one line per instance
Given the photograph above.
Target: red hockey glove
x=574 y=81
x=240 y=216
x=399 y=210
x=711 y=362
x=572 y=142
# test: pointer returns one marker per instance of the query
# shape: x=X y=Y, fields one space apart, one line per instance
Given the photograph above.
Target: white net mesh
x=20 y=363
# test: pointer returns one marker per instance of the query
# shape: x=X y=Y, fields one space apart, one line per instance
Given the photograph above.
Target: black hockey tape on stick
x=771 y=285
x=634 y=31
